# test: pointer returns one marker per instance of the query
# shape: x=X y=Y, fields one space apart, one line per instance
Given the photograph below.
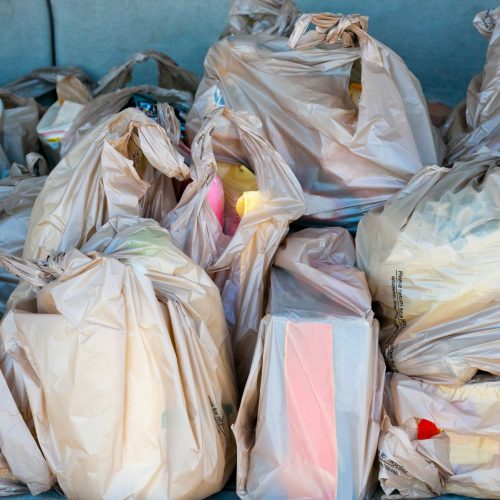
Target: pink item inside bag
x=215 y=198
x=310 y=395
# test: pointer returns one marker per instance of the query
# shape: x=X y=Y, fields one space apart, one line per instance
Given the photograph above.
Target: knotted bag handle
x=330 y=29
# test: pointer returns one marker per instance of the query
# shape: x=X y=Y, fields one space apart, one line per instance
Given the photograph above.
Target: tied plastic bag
x=438 y=440
x=18 y=193
x=475 y=123
x=249 y=17
x=238 y=264
x=123 y=167
x=431 y=259
x=18 y=120
x=127 y=363
x=349 y=158
x=308 y=428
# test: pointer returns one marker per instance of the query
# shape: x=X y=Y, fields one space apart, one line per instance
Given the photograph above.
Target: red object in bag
x=427 y=429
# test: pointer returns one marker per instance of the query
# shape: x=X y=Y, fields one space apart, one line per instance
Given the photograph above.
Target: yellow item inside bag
x=355 y=92
x=240 y=193
x=247 y=202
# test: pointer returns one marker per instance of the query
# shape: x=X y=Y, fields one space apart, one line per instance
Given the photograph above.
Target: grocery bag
x=248 y=17
x=124 y=166
x=239 y=264
x=431 y=259
x=170 y=75
x=18 y=193
x=23 y=468
x=349 y=156
x=105 y=105
x=310 y=414
x=42 y=81
x=436 y=439
x=72 y=95
x=18 y=120
x=475 y=122
x=127 y=363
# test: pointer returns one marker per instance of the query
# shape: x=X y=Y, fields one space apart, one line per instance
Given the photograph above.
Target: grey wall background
x=435 y=37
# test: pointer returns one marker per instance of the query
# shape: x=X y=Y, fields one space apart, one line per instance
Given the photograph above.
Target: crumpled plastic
x=462 y=459
x=249 y=17
x=475 y=123
x=307 y=426
x=44 y=80
x=122 y=167
x=348 y=158
x=18 y=193
x=126 y=361
x=431 y=259
x=238 y=264
x=18 y=120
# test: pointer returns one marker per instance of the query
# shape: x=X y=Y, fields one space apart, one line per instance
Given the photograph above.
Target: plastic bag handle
x=170 y=75
x=330 y=28
x=36 y=272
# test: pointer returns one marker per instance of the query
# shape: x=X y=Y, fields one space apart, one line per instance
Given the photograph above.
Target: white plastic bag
x=310 y=415
x=459 y=457
x=475 y=123
x=18 y=120
x=126 y=360
x=238 y=263
x=348 y=158
x=18 y=193
x=431 y=259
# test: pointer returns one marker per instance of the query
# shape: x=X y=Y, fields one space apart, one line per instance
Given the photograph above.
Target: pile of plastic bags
x=430 y=256
x=173 y=314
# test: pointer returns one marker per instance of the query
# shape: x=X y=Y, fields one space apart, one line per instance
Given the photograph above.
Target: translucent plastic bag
x=310 y=415
x=18 y=120
x=18 y=193
x=436 y=439
x=239 y=264
x=126 y=360
x=261 y=16
x=348 y=157
x=431 y=259
x=123 y=167
x=475 y=123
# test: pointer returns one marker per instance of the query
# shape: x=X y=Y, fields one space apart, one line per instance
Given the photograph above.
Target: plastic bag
x=307 y=427
x=170 y=75
x=460 y=457
x=475 y=123
x=249 y=17
x=18 y=120
x=102 y=106
x=238 y=264
x=349 y=159
x=17 y=197
x=72 y=95
x=431 y=259
x=66 y=122
x=44 y=80
x=127 y=364
x=123 y=167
